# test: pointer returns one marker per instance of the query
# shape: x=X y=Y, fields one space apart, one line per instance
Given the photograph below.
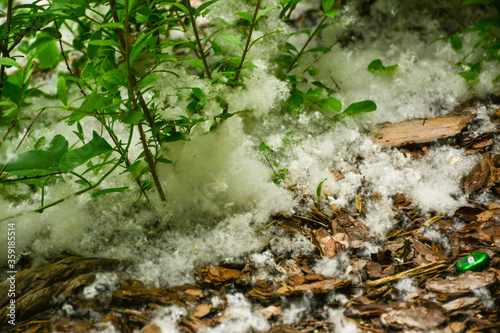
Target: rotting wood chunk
x=462 y=284
x=418 y=317
x=135 y=292
x=422 y=130
x=484 y=175
x=215 y=275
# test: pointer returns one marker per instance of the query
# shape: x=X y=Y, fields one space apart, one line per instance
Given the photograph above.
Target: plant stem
x=198 y=42
x=131 y=85
x=65 y=58
x=151 y=164
x=249 y=37
x=311 y=36
x=124 y=43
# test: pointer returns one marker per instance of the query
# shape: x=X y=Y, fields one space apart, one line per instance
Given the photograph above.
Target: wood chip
x=462 y=284
x=422 y=130
x=418 y=317
x=484 y=175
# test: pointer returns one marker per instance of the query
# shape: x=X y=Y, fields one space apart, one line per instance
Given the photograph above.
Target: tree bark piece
x=422 y=130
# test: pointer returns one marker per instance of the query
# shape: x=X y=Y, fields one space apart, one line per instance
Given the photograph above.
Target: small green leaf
x=112 y=25
x=262 y=12
x=377 y=66
x=198 y=63
x=164 y=160
x=232 y=39
x=197 y=92
x=9 y=62
x=202 y=7
x=109 y=190
x=294 y=104
x=263 y=147
x=62 y=90
x=131 y=117
x=181 y=7
x=327 y=5
x=456 y=43
x=313 y=94
x=244 y=15
x=468 y=75
x=147 y=81
x=313 y=71
x=330 y=104
x=263 y=36
x=360 y=107
x=79 y=156
x=333 y=13
x=104 y=42
x=318 y=188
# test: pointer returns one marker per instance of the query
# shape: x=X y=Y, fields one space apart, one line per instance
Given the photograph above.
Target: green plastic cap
x=476 y=262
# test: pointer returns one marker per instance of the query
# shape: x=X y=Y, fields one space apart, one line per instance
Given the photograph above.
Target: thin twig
x=198 y=42
x=65 y=58
x=249 y=37
x=8 y=131
x=311 y=36
x=20 y=142
x=151 y=164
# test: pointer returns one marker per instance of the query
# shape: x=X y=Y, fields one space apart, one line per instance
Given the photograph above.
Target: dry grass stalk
x=414 y=272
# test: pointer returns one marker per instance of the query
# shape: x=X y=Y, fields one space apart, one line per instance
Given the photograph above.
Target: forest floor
x=410 y=285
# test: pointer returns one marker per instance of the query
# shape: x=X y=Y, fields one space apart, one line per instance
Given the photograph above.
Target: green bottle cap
x=476 y=262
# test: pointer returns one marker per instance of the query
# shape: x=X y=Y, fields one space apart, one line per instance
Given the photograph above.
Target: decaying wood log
x=37 y=287
x=422 y=130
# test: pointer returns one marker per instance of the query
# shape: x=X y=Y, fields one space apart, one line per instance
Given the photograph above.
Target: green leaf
x=313 y=71
x=327 y=5
x=263 y=36
x=131 y=117
x=263 y=147
x=330 y=104
x=360 y=107
x=198 y=63
x=262 y=12
x=9 y=62
x=115 y=76
x=333 y=13
x=104 y=42
x=244 y=15
x=79 y=156
x=62 y=90
x=468 y=75
x=318 y=188
x=45 y=51
x=456 y=43
x=147 y=81
x=197 y=92
x=377 y=66
x=112 y=25
x=294 y=104
x=181 y=7
x=164 y=160
x=232 y=39
x=38 y=162
x=201 y=7
x=313 y=94
x=109 y=190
